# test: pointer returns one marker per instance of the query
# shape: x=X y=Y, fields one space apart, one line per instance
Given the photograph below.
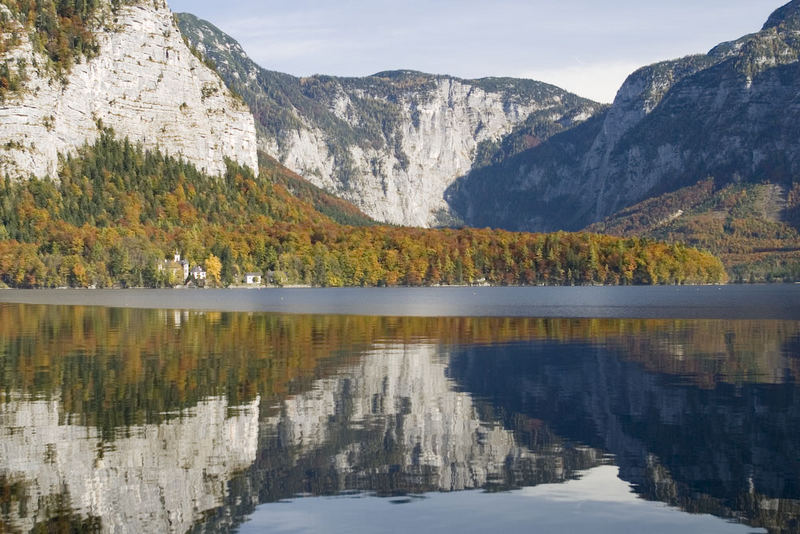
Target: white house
x=252 y=279
x=198 y=273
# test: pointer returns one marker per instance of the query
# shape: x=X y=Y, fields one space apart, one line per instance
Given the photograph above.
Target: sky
x=598 y=503
x=585 y=46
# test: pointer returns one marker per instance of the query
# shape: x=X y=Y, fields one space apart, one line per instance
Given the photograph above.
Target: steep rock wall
x=145 y=83
x=404 y=180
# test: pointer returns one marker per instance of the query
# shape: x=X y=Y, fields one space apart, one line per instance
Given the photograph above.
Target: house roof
x=253 y=274
x=198 y=269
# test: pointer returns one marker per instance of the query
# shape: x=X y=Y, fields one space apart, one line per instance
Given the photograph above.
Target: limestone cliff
x=144 y=82
x=393 y=142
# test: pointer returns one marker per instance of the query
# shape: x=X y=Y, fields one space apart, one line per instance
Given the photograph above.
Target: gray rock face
x=731 y=114
x=145 y=84
x=390 y=143
x=404 y=182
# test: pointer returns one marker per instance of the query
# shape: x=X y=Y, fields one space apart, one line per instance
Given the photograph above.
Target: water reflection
x=152 y=478
x=730 y=450
x=393 y=424
x=155 y=420
x=598 y=503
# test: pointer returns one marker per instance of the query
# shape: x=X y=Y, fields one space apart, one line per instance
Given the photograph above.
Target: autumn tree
x=213 y=270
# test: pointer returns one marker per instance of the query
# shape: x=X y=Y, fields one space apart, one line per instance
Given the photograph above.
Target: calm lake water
x=679 y=302
x=683 y=418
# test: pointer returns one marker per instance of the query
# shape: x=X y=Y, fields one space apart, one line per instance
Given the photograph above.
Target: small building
x=252 y=279
x=178 y=269
x=198 y=273
x=184 y=266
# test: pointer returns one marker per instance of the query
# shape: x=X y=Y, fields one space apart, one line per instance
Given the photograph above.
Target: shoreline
x=732 y=301
x=438 y=286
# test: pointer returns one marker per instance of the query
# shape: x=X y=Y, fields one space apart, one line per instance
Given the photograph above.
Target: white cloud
x=598 y=81
x=537 y=39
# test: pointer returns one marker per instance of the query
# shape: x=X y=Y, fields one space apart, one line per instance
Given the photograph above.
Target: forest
x=61 y=29
x=117 y=211
x=748 y=226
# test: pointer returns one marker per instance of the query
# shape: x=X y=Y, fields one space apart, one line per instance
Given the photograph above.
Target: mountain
x=731 y=114
x=393 y=142
x=138 y=150
x=69 y=69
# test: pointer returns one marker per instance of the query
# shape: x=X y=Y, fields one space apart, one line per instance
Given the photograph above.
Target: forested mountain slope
x=339 y=210
x=752 y=227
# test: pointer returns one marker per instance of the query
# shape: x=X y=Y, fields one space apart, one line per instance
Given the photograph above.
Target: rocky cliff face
x=731 y=114
x=145 y=83
x=393 y=142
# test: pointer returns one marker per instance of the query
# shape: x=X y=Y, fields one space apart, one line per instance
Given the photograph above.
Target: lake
x=449 y=409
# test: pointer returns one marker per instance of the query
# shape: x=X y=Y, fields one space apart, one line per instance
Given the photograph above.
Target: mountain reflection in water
x=168 y=421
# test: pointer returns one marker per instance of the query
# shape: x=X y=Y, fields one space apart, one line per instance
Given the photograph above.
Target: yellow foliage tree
x=213 y=270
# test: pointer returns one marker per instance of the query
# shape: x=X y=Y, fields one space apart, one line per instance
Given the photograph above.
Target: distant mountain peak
x=787 y=16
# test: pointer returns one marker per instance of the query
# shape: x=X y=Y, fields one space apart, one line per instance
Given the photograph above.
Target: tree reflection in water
x=255 y=408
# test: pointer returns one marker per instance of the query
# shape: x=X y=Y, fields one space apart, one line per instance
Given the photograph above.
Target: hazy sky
x=586 y=46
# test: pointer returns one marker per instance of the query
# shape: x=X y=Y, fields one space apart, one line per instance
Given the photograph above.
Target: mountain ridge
x=390 y=143
x=789 y=14
x=730 y=114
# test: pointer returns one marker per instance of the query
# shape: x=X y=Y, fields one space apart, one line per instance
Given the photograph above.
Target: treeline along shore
x=117 y=211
